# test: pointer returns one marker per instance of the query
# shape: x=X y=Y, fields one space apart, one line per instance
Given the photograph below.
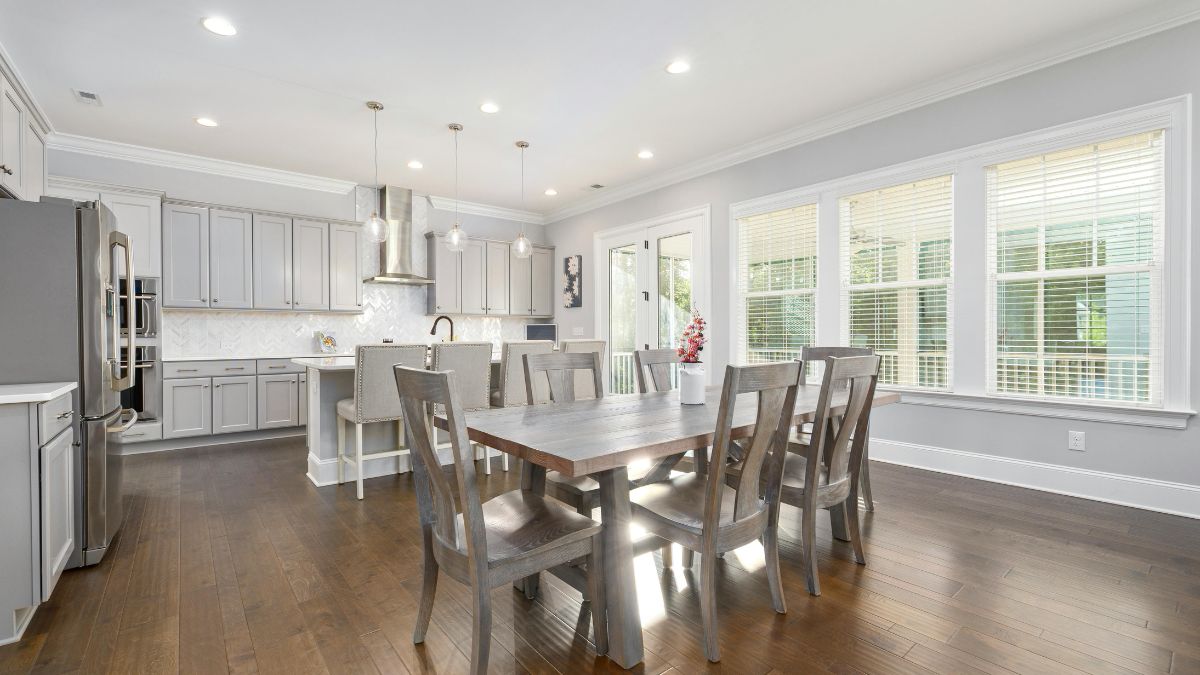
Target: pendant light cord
x=456 y=177
x=376 y=117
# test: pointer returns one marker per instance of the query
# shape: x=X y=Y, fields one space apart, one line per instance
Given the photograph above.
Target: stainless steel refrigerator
x=62 y=267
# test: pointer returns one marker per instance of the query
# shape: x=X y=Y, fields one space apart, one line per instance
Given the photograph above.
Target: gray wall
x=1146 y=70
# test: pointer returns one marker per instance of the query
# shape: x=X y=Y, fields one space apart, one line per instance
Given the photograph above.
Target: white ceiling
x=583 y=83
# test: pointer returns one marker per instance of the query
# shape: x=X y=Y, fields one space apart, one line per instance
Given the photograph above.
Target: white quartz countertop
x=326 y=362
x=236 y=357
x=38 y=392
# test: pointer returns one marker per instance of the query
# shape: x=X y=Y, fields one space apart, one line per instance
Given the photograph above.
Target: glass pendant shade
x=456 y=239
x=521 y=246
x=375 y=229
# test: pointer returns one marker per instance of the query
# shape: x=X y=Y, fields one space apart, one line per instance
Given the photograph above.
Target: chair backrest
x=813 y=356
x=512 y=372
x=418 y=391
x=559 y=369
x=584 y=387
x=658 y=362
x=472 y=364
x=375 y=398
x=775 y=384
x=838 y=441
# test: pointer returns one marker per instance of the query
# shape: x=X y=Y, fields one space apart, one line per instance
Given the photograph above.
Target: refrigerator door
x=102 y=493
x=104 y=372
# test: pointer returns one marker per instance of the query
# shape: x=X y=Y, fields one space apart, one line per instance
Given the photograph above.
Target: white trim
x=1144 y=493
x=9 y=70
x=68 y=183
x=1071 y=410
x=1049 y=54
x=212 y=440
x=178 y=160
x=487 y=210
x=323 y=472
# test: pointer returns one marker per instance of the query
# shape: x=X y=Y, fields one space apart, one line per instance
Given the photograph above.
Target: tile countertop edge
x=34 y=392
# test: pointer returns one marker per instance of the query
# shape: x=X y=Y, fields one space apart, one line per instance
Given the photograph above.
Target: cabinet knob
x=217 y=386
x=203 y=299
x=215 y=300
x=5 y=169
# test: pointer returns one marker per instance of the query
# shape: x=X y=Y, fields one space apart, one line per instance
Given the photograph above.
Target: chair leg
x=855 y=532
x=770 y=543
x=341 y=450
x=358 y=456
x=689 y=558
x=487 y=460
x=481 y=630
x=599 y=603
x=864 y=482
x=504 y=461
x=668 y=556
x=808 y=533
x=708 y=605
x=429 y=577
x=531 y=585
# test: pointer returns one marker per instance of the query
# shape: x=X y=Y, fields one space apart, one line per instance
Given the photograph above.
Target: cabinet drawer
x=54 y=416
x=278 y=367
x=208 y=368
x=142 y=432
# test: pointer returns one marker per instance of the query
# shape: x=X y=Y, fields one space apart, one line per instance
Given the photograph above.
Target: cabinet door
x=498 y=255
x=302 y=398
x=234 y=404
x=272 y=262
x=140 y=217
x=345 y=267
x=185 y=256
x=445 y=269
x=520 y=289
x=58 y=508
x=187 y=407
x=310 y=265
x=231 y=262
x=543 y=282
x=12 y=128
x=35 y=164
x=277 y=401
x=473 y=277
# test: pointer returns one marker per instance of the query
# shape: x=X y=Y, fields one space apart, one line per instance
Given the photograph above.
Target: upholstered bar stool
x=375 y=400
x=584 y=386
x=472 y=365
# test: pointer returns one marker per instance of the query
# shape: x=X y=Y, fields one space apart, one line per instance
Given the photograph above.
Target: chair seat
x=794 y=466
x=347 y=409
x=519 y=523
x=679 y=502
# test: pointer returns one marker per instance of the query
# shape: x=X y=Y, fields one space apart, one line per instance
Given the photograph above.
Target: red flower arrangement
x=692 y=342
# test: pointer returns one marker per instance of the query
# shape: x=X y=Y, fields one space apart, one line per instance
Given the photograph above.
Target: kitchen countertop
x=174 y=359
x=326 y=362
x=38 y=392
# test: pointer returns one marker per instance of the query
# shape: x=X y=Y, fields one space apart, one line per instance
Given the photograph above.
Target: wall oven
x=145 y=396
x=145 y=307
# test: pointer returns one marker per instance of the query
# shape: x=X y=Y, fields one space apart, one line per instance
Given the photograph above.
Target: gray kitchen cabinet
x=185 y=256
x=496 y=280
x=520 y=286
x=187 y=407
x=231 y=259
x=302 y=399
x=542 y=282
x=445 y=268
x=140 y=217
x=272 y=262
x=35 y=164
x=234 y=404
x=310 y=265
x=277 y=401
x=12 y=131
x=345 y=267
x=473 y=280
x=57 y=468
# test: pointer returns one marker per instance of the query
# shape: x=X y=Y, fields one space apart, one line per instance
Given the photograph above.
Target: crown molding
x=177 y=160
x=1049 y=54
x=477 y=209
x=84 y=185
x=9 y=69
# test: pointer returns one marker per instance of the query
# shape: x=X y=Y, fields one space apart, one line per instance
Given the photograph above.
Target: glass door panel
x=623 y=298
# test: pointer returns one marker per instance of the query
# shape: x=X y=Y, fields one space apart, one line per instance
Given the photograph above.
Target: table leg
x=624 y=621
x=533 y=479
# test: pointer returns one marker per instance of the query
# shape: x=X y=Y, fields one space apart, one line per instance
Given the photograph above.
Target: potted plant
x=691 y=369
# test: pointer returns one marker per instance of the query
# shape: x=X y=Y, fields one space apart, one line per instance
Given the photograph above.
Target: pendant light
x=375 y=228
x=456 y=238
x=521 y=246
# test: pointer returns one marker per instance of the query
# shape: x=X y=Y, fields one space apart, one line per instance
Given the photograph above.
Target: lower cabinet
x=277 y=401
x=58 y=512
x=216 y=401
x=234 y=404
x=302 y=391
x=187 y=407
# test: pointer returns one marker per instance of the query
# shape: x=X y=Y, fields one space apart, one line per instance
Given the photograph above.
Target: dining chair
x=374 y=400
x=472 y=361
x=512 y=373
x=488 y=544
x=584 y=387
x=812 y=355
x=657 y=364
x=702 y=513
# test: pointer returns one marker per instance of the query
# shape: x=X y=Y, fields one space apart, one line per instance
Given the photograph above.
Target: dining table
x=600 y=438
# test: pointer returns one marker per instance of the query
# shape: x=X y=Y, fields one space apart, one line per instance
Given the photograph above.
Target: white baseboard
x=323 y=472
x=206 y=441
x=1179 y=499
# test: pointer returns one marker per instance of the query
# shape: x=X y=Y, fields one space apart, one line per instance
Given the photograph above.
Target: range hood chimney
x=395 y=253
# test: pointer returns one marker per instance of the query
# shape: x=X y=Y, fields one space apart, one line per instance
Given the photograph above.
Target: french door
x=652 y=275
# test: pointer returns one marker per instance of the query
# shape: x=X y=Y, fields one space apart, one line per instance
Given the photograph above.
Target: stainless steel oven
x=145 y=396
x=145 y=307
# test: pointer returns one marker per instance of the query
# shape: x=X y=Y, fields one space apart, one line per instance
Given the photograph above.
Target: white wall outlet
x=577 y=331
x=1075 y=441
x=226 y=345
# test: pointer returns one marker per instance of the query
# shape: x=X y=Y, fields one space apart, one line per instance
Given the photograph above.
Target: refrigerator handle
x=124 y=372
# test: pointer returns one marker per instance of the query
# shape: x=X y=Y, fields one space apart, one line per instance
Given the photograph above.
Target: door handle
x=5 y=169
x=125 y=373
x=120 y=428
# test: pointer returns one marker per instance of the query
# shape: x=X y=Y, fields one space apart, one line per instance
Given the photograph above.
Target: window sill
x=1146 y=417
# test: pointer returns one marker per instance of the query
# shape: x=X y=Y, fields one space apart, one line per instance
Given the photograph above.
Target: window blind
x=777 y=280
x=1075 y=242
x=896 y=286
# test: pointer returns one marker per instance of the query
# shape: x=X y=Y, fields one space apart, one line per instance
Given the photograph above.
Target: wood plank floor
x=231 y=561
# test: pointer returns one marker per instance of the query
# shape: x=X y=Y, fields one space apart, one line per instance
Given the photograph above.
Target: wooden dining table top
x=585 y=437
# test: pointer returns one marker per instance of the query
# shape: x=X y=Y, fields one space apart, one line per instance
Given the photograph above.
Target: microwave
x=145 y=307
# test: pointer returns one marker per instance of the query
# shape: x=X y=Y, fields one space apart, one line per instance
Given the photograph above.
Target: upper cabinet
x=185 y=256
x=542 y=288
x=520 y=286
x=487 y=279
x=445 y=268
x=22 y=145
x=496 y=281
x=345 y=267
x=474 y=277
x=272 y=262
x=139 y=216
x=231 y=261
x=35 y=163
x=310 y=265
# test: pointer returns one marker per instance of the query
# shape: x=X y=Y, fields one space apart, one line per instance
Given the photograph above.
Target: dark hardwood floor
x=230 y=560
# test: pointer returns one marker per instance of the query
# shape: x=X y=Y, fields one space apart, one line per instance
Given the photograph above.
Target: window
x=777 y=280
x=896 y=269
x=1075 y=245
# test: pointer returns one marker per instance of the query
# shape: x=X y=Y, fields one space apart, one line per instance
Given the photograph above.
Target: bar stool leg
x=504 y=461
x=487 y=460
x=358 y=456
x=341 y=449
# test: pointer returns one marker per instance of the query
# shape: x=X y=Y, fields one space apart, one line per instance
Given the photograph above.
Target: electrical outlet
x=577 y=331
x=226 y=345
x=1075 y=441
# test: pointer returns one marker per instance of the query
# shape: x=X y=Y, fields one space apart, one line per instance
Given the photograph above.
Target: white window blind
x=1075 y=272
x=896 y=286
x=777 y=280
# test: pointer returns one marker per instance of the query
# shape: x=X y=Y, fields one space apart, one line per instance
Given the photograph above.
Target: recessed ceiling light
x=645 y=154
x=678 y=67
x=489 y=107
x=206 y=121
x=415 y=165
x=219 y=25
x=550 y=192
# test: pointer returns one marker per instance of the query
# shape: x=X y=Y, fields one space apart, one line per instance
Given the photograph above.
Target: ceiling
x=585 y=84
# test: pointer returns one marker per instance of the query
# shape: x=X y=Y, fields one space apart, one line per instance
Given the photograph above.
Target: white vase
x=691 y=383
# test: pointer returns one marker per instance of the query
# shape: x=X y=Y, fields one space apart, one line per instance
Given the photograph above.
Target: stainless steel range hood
x=395 y=253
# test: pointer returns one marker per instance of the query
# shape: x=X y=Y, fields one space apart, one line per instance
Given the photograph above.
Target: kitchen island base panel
x=325 y=388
